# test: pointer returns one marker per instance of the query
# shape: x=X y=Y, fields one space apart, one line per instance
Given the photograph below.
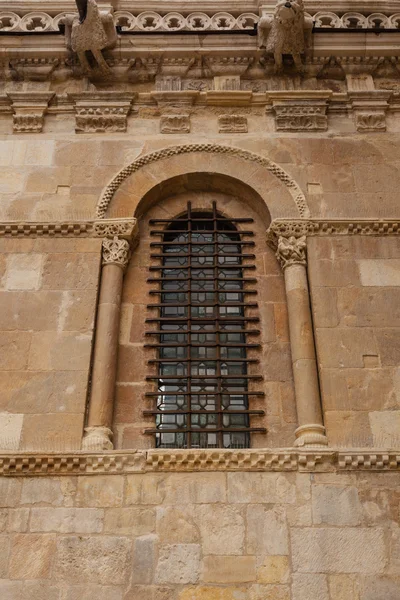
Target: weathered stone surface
x=343 y=587
x=18 y=520
x=362 y=550
x=31 y=556
x=385 y=427
x=229 y=569
x=87 y=592
x=267 y=532
x=275 y=592
x=178 y=525
x=66 y=520
x=42 y=491
x=334 y=505
x=130 y=521
x=100 y=491
x=306 y=586
x=275 y=569
x=4 y=555
x=144 y=559
x=99 y=559
x=378 y=272
x=222 y=529
x=178 y=563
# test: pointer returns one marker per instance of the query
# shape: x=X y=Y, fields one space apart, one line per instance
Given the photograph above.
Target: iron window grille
x=203 y=385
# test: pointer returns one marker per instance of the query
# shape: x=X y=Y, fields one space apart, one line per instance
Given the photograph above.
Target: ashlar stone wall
x=48 y=295
x=201 y=536
x=355 y=289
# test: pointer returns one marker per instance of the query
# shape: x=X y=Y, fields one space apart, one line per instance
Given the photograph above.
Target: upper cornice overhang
x=54 y=7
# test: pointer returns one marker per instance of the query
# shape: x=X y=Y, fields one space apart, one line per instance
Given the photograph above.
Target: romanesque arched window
x=203 y=331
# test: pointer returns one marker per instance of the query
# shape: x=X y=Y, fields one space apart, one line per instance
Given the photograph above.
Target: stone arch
x=275 y=188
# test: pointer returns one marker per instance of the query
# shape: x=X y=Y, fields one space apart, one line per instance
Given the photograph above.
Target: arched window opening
x=203 y=332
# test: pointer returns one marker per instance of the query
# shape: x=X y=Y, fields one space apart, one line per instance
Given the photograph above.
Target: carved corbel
x=29 y=109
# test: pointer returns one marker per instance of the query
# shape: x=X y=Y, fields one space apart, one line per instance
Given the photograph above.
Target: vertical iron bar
x=189 y=329
x=217 y=335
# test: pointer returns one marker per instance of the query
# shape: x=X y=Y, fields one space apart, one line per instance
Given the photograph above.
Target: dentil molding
x=30 y=464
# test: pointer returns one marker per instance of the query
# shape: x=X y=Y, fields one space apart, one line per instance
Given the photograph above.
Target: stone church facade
x=200 y=300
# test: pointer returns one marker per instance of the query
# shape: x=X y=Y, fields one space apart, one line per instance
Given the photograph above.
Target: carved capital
x=299 y=111
x=292 y=251
x=102 y=112
x=116 y=251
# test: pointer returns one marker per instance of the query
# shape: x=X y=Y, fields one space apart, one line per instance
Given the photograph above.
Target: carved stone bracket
x=175 y=124
x=300 y=111
x=369 y=109
x=29 y=109
x=102 y=112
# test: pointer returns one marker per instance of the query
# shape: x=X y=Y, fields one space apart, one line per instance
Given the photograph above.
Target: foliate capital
x=292 y=251
x=116 y=251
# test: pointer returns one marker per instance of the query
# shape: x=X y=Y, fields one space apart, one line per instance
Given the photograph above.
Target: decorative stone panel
x=29 y=109
x=232 y=124
x=104 y=112
x=369 y=109
x=175 y=124
x=300 y=111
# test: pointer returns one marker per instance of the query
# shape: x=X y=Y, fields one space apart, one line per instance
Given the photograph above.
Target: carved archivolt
x=298 y=196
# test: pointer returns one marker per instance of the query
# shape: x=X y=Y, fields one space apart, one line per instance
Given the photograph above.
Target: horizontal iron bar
x=228 y=279
x=213 y=291
x=232 y=243
x=201 y=220
x=203 y=304
x=203 y=319
x=205 y=267
x=219 y=345
x=216 y=430
x=204 y=412
x=196 y=332
x=220 y=393
x=202 y=377
x=203 y=231
x=252 y=361
x=195 y=255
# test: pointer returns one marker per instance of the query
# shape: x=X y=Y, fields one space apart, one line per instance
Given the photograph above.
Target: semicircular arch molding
x=278 y=190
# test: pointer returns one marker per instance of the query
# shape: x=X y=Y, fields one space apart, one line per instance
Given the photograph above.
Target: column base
x=97 y=439
x=310 y=435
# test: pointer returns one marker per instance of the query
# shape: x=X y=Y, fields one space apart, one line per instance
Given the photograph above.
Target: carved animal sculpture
x=91 y=31
x=286 y=32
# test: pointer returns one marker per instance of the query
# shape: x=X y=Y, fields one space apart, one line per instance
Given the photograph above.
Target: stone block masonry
x=200 y=536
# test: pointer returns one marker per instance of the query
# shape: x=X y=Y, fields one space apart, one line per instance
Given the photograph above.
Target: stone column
x=98 y=433
x=292 y=255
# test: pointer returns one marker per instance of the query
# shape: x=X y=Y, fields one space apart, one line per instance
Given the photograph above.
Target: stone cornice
x=125 y=462
x=106 y=228
x=319 y=227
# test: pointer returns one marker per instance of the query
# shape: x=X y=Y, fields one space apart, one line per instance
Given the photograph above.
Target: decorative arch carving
x=172 y=151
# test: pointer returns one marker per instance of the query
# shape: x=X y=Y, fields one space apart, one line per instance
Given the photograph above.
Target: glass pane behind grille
x=203 y=386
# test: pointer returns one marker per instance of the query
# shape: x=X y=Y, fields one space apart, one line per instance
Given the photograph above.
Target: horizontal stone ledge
x=122 y=228
x=325 y=227
x=151 y=461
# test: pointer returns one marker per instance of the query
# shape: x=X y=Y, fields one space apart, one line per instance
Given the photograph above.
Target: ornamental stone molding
x=300 y=111
x=28 y=464
x=103 y=112
x=29 y=109
x=320 y=227
x=370 y=110
x=232 y=124
x=116 y=251
x=295 y=191
x=40 y=21
x=175 y=124
x=106 y=228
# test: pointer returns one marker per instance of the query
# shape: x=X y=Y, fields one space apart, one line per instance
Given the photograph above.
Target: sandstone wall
x=355 y=288
x=48 y=294
x=201 y=536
